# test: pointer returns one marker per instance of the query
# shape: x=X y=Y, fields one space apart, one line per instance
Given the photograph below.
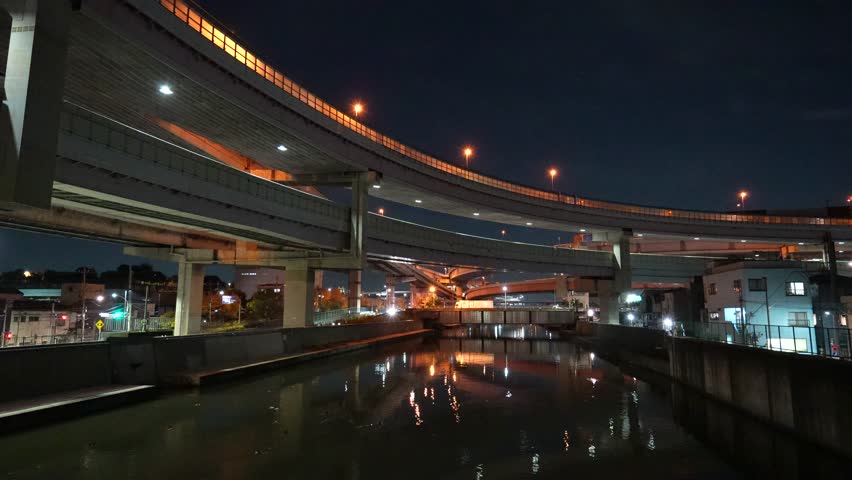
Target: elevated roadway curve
x=122 y=50
x=109 y=170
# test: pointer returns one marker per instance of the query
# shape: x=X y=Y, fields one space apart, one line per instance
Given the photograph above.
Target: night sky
x=677 y=103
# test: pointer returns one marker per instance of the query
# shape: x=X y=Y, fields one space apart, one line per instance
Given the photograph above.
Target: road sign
x=99 y=324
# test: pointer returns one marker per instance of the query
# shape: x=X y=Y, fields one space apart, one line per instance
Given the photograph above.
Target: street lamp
x=381 y=211
x=99 y=298
x=357 y=107
x=468 y=151
x=27 y=274
x=742 y=196
x=552 y=172
x=505 y=299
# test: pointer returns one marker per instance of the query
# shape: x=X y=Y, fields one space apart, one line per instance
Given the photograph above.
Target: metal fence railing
x=329 y=317
x=825 y=341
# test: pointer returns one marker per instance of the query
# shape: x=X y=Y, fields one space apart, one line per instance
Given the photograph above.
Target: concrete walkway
x=70 y=404
x=206 y=377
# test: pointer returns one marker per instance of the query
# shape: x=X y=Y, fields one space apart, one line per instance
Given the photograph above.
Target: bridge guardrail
x=218 y=37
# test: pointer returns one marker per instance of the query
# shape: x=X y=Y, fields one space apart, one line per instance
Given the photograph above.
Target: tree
x=333 y=299
x=266 y=305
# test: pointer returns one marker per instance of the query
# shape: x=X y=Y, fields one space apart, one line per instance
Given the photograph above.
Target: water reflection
x=460 y=407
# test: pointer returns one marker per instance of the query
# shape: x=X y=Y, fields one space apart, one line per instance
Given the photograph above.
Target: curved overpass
x=549 y=285
x=224 y=92
x=114 y=171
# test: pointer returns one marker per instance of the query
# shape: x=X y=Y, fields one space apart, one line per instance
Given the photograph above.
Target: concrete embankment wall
x=26 y=372
x=805 y=394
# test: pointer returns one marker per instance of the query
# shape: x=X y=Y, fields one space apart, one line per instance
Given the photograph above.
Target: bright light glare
x=392 y=311
x=418 y=201
x=99 y=298
x=166 y=90
x=633 y=298
x=631 y=317
x=282 y=148
x=114 y=295
x=475 y=214
x=27 y=274
x=468 y=151
x=590 y=313
x=668 y=323
x=505 y=288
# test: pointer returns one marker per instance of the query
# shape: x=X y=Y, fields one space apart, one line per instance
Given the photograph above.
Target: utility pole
x=145 y=311
x=766 y=294
x=128 y=297
x=83 y=304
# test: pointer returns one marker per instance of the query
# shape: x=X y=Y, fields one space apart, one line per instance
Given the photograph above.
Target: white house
x=769 y=300
x=37 y=324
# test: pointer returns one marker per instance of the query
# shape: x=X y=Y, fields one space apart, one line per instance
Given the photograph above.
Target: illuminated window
x=796 y=289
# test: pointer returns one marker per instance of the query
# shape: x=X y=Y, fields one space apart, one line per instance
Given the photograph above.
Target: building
x=249 y=279
x=764 y=300
x=74 y=293
x=38 y=323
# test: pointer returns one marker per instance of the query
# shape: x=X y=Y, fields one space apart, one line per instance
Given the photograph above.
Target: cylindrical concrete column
x=190 y=295
x=354 y=294
x=299 y=298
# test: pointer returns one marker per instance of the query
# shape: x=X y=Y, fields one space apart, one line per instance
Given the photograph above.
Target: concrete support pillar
x=390 y=282
x=608 y=301
x=561 y=292
x=358 y=214
x=299 y=298
x=355 y=289
x=622 y=276
x=190 y=295
x=32 y=86
x=832 y=300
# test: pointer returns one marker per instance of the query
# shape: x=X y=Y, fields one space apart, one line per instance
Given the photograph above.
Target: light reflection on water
x=457 y=407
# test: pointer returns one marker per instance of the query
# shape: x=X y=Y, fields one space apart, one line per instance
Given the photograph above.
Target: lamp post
x=505 y=297
x=357 y=108
x=552 y=172
x=742 y=195
x=468 y=151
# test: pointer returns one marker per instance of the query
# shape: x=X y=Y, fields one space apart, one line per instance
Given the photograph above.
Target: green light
x=119 y=314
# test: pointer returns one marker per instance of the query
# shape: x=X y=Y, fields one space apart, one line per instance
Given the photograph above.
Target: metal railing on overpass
x=216 y=35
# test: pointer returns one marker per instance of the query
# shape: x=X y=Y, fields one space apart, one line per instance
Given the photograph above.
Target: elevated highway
x=160 y=120
x=223 y=92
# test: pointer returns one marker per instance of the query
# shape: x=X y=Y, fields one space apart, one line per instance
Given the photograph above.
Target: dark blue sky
x=676 y=103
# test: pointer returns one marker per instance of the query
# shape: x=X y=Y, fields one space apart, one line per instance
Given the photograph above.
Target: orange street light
x=381 y=211
x=849 y=199
x=742 y=196
x=552 y=172
x=468 y=151
x=357 y=108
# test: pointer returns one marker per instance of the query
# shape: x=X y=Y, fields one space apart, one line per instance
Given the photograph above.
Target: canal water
x=483 y=403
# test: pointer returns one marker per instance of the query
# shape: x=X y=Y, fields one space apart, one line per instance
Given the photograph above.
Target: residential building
x=763 y=299
x=37 y=323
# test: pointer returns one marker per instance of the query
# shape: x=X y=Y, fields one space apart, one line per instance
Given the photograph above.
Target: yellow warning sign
x=99 y=324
